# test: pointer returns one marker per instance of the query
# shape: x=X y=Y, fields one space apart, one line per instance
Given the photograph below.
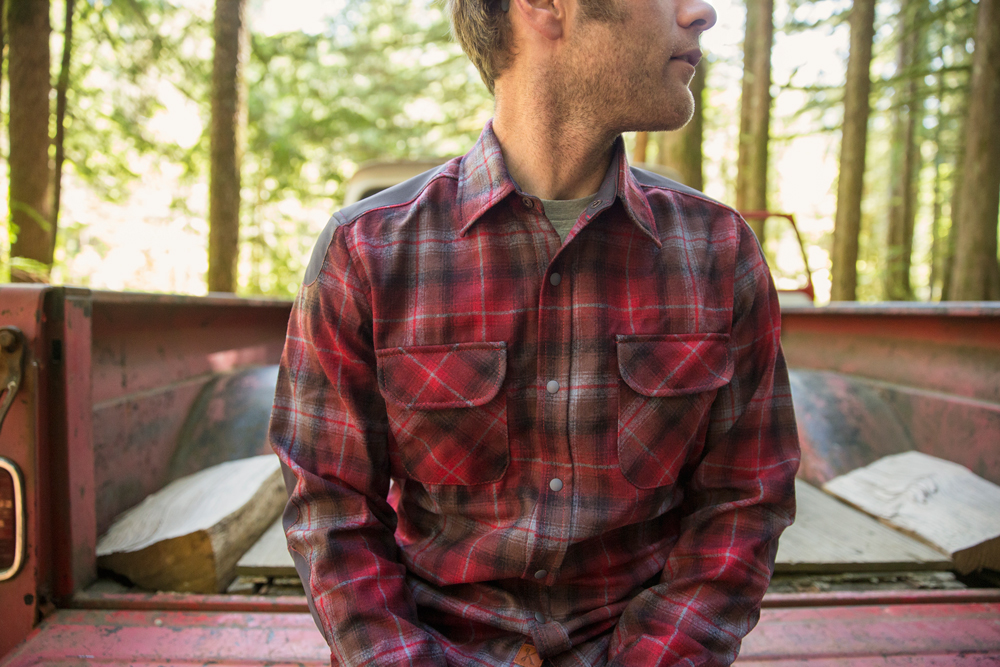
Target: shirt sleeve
x=739 y=499
x=329 y=428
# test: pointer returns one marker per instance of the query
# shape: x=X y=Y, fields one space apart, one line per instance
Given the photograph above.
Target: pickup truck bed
x=953 y=628
x=114 y=382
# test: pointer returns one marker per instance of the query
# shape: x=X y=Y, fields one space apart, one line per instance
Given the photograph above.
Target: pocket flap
x=436 y=377
x=674 y=364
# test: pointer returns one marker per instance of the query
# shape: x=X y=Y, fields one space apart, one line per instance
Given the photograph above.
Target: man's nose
x=696 y=14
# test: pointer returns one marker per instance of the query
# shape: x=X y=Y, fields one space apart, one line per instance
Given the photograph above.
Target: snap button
x=555 y=279
x=552 y=387
x=541 y=574
x=540 y=617
x=528 y=203
x=556 y=484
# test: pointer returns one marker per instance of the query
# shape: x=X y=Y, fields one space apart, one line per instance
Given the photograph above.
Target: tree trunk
x=28 y=31
x=976 y=274
x=61 y=90
x=682 y=149
x=755 y=112
x=3 y=43
x=937 y=255
x=227 y=122
x=905 y=159
x=640 y=153
x=847 y=226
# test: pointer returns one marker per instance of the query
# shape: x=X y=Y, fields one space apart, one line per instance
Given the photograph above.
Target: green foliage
x=942 y=69
x=381 y=81
x=126 y=52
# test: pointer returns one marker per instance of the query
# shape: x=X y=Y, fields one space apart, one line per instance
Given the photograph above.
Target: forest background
x=191 y=145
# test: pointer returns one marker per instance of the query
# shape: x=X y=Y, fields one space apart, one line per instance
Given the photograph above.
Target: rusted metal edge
x=159 y=299
x=869 y=598
x=294 y=604
x=290 y=604
x=900 y=308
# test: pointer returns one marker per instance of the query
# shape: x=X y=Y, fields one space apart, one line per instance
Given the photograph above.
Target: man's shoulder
x=400 y=195
x=651 y=181
x=383 y=205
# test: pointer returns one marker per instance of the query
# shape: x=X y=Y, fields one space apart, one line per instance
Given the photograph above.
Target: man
x=570 y=369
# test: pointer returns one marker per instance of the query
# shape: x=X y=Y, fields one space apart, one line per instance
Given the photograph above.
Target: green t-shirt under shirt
x=563 y=213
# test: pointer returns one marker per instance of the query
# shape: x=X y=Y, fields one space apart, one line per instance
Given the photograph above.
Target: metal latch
x=12 y=535
x=11 y=367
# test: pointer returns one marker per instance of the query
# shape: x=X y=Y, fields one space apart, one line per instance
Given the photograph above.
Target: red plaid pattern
x=598 y=465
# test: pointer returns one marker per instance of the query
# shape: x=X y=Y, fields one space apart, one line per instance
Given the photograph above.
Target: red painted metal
x=152 y=356
x=228 y=420
x=952 y=349
x=23 y=430
x=176 y=638
x=875 y=597
x=855 y=636
x=74 y=529
x=896 y=634
x=808 y=288
x=297 y=604
x=110 y=381
x=873 y=380
x=188 y=602
x=115 y=378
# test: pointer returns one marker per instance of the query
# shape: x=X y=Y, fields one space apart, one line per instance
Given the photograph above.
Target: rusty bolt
x=7 y=340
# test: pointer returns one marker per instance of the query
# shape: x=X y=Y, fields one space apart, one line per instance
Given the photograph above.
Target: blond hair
x=484 y=31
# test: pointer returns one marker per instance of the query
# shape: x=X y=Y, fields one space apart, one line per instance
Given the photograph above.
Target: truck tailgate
x=818 y=630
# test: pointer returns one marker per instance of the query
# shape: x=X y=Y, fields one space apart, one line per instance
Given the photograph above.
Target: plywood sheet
x=830 y=536
x=940 y=502
x=269 y=557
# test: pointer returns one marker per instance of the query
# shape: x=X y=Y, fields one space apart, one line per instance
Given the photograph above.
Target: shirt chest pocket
x=665 y=393
x=446 y=410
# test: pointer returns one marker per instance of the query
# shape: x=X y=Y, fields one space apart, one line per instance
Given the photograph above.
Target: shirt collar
x=484 y=181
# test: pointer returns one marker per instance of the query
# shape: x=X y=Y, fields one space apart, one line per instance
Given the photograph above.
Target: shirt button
x=541 y=574
x=552 y=387
x=528 y=203
x=556 y=484
x=555 y=279
x=596 y=203
x=540 y=617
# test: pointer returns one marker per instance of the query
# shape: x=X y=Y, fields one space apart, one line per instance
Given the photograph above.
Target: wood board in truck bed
x=830 y=536
x=269 y=557
x=189 y=536
x=827 y=536
x=938 y=501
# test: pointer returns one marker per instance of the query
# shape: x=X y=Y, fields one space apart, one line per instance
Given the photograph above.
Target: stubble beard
x=636 y=91
x=623 y=99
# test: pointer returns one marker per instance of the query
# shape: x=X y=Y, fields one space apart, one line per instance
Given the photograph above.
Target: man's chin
x=671 y=114
x=665 y=122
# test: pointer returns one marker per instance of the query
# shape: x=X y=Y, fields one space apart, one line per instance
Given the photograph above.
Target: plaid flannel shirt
x=592 y=443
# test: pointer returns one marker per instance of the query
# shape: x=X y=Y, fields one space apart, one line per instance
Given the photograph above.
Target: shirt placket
x=551 y=443
x=555 y=393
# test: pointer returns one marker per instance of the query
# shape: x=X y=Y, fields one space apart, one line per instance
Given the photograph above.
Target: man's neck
x=550 y=149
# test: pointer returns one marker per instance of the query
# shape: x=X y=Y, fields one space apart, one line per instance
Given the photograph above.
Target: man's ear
x=546 y=17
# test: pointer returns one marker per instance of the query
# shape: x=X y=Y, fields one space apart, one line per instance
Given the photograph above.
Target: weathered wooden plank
x=940 y=502
x=829 y=536
x=189 y=535
x=269 y=557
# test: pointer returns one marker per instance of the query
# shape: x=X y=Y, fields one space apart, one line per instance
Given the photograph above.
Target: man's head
x=619 y=64
x=484 y=30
